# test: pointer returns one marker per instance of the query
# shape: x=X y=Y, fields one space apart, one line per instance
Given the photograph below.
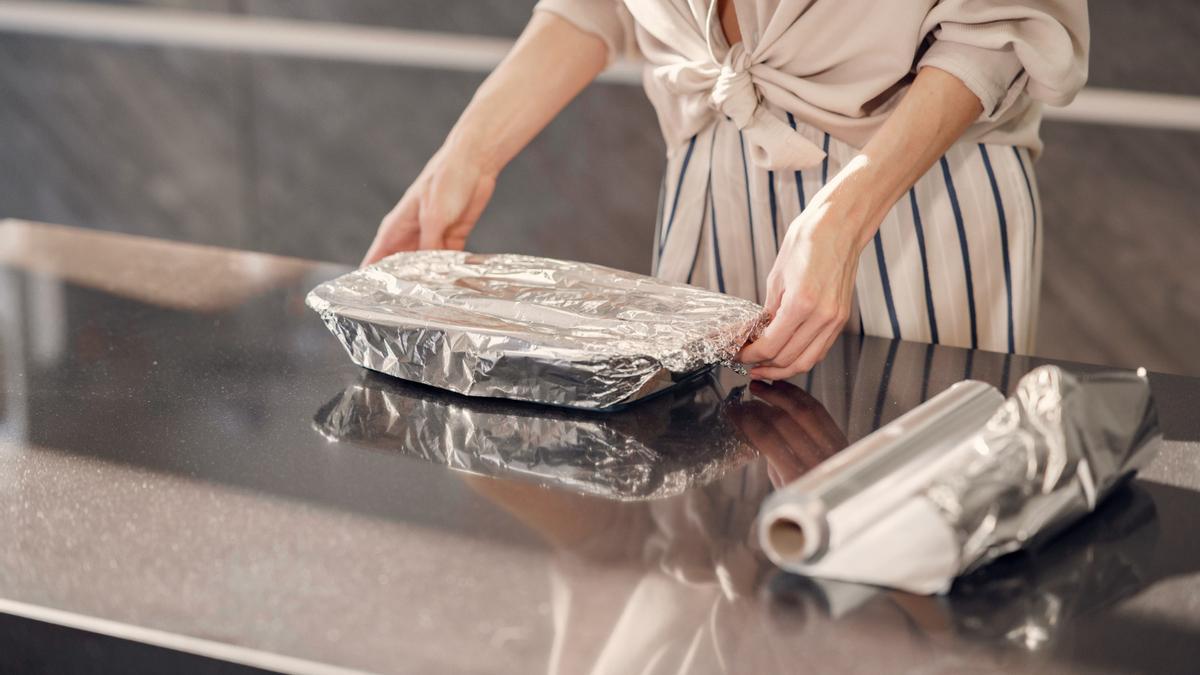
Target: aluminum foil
x=1057 y=446
x=964 y=496
x=661 y=448
x=1024 y=601
x=531 y=329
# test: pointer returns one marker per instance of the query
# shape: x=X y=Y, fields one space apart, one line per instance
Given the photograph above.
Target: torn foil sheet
x=1026 y=601
x=676 y=441
x=532 y=329
x=964 y=496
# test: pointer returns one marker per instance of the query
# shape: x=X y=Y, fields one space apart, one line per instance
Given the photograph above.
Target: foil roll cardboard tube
x=834 y=502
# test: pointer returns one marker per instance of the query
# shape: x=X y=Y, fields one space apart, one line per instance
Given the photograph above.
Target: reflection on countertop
x=679 y=439
x=218 y=469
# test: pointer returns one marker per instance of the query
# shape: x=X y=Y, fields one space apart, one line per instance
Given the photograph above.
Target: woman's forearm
x=933 y=114
x=550 y=63
x=811 y=286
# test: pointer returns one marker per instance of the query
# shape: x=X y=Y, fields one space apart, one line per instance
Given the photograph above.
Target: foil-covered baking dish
x=532 y=329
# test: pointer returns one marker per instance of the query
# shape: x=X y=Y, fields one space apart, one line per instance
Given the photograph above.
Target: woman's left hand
x=811 y=286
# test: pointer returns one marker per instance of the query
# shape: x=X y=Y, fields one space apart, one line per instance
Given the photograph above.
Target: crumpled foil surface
x=659 y=449
x=528 y=328
x=967 y=492
x=1049 y=455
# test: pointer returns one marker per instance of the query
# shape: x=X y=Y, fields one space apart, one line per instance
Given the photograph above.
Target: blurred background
x=292 y=126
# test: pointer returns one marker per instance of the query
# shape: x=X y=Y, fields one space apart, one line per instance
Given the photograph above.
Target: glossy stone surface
x=166 y=462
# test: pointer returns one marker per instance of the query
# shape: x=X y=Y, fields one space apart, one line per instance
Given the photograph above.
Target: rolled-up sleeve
x=1001 y=49
x=606 y=19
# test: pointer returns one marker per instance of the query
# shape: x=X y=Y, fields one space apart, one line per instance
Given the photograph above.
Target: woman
x=833 y=159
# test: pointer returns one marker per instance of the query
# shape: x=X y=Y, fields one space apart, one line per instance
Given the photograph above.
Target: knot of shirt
x=773 y=144
x=734 y=93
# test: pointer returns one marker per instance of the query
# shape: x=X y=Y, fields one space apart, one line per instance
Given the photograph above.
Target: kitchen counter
x=189 y=460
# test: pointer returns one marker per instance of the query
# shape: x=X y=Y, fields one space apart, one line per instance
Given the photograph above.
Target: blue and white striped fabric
x=957 y=261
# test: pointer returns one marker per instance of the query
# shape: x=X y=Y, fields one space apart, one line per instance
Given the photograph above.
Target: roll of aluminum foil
x=855 y=488
x=676 y=441
x=531 y=329
x=915 y=509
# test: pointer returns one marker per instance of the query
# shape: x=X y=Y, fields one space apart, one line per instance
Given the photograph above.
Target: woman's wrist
x=472 y=146
x=852 y=205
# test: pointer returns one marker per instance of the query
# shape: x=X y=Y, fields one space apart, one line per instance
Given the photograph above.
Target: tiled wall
x=302 y=157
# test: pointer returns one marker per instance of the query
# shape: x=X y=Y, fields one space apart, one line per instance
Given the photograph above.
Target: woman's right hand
x=439 y=209
x=550 y=63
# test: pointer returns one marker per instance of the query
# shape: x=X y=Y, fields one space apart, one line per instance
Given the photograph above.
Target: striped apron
x=956 y=261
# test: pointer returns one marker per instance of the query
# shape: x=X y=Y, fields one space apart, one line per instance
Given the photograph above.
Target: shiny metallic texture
x=677 y=441
x=532 y=329
x=855 y=488
x=950 y=475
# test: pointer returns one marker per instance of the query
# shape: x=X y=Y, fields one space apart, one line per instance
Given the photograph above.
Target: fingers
x=807 y=347
x=812 y=355
x=781 y=329
x=397 y=231
x=816 y=326
x=438 y=211
x=819 y=348
x=804 y=335
x=811 y=330
x=374 y=253
x=774 y=293
x=445 y=206
x=771 y=307
x=432 y=230
x=773 y=373
x=807 y=360
x=456 y=235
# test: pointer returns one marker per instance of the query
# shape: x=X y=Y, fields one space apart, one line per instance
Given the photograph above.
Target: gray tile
x=205 y=5
x=500 y=18
x=503 y=18
x=1146 y=46
x=588 y=188
x=133 y=139
x=1121 y=245
x=337 y=144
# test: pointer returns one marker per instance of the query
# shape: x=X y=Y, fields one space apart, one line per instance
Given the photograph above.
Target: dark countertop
x=188 y=459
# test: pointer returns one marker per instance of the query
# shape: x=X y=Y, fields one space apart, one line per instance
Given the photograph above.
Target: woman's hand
x=439 y=209
x=549 y=64
x=811 y=286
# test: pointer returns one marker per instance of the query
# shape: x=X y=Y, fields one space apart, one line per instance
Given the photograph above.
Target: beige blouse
x=841 y=65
